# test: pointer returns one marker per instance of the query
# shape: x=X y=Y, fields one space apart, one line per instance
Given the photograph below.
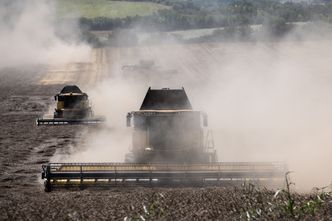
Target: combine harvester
x=72 y=108
x=170 y=148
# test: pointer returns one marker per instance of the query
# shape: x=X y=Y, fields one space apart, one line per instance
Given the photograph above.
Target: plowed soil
x=27 y=92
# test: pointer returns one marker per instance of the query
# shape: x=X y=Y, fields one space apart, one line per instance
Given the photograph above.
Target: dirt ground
x=26 y=93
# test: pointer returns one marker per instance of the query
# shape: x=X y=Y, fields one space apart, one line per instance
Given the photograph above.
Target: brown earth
x=26 y=93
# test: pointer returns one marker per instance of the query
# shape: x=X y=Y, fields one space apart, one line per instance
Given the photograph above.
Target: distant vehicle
x=142 y=65
x=147 y=69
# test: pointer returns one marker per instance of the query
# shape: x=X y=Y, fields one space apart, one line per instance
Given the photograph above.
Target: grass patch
x=105 y=8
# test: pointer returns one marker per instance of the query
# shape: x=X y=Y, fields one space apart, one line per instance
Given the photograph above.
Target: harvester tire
x=48 y=186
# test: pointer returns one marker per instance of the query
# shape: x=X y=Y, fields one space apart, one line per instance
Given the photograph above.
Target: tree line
x=193 y=14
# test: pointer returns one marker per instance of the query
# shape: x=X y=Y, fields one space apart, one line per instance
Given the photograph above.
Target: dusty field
x=26 y=93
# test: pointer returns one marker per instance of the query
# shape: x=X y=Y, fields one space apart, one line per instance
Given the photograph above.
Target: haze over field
x=265 y=100
x=28 y=35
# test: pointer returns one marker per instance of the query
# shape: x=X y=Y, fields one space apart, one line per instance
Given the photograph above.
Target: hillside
x=105 y=8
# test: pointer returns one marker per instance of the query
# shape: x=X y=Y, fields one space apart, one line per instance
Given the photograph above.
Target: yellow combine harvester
x=72 y=107
x=170 y=148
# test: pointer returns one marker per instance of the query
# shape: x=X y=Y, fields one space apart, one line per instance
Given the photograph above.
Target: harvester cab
x=72 y=107
x=166 y=129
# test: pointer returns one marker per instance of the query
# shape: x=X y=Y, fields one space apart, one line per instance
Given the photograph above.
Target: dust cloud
x=113 y=99
x=28 y=35
x=273 y=103
x=266 y=101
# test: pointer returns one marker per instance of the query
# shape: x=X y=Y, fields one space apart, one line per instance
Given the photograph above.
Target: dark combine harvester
x=171 y=147
x=72 y=108
x=168 y=130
